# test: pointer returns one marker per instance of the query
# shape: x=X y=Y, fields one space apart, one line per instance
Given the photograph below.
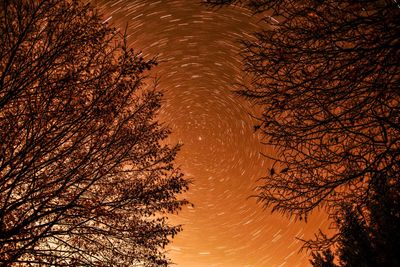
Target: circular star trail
x=197 y=49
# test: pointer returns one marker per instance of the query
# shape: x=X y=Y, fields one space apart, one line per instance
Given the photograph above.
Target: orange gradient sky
x=199 y=65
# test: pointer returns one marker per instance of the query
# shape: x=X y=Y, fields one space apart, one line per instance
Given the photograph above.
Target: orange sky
x=197 y=49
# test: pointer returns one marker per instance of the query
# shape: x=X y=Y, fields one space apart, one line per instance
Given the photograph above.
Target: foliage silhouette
x=324 y=259
x=326 y=74
x=368 y=237
x=85 y=176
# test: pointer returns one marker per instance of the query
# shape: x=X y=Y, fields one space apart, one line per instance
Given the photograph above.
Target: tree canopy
x=326 y=75
x=86 y=178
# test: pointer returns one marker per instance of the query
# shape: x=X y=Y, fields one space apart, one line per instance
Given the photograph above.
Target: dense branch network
x=326 y=74
x=85 y=179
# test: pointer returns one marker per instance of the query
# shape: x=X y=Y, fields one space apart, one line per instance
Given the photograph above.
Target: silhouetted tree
x=327 y=76
x=355 y=244
x=384 y=221
x=324 y=259
x=364 y=240
x=85 y=176
x=371 y=237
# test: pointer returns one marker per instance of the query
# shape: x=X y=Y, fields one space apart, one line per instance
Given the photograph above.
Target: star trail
x=199 y=66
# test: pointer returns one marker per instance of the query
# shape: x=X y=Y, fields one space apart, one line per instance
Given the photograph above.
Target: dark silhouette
x=369 y=237
x=327 y=76
x=324 y=259
x=355 y=242
x=85 y=176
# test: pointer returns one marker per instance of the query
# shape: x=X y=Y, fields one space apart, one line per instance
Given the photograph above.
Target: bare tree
x=85 y=176
x=326 y=74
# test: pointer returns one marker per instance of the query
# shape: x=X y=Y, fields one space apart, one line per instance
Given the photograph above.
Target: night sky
x=199 y=66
